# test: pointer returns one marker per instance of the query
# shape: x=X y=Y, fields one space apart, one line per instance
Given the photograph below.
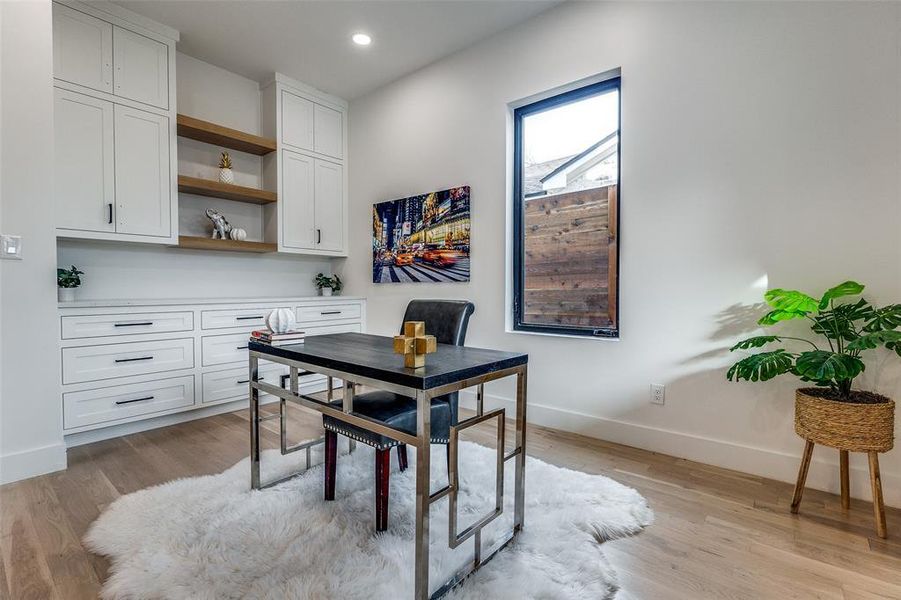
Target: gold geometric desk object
x=414 y=344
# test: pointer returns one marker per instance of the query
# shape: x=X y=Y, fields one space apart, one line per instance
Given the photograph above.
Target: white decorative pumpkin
x=226 y=176
x=281 y=320
x=238 y=234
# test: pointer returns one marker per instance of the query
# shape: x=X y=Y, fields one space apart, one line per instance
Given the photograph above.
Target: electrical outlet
x=11 y=247
x=658 y=393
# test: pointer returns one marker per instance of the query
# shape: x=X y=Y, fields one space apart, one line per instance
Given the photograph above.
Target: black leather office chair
x=447 y=320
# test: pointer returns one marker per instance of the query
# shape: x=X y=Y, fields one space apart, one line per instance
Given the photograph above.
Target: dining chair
x=447 y=320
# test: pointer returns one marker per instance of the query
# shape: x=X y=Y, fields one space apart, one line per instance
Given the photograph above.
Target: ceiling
x=310 y=41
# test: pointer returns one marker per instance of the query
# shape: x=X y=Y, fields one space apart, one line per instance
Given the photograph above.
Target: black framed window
x=566 y=194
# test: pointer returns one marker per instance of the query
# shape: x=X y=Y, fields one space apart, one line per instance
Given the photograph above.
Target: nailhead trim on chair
x=394 y=443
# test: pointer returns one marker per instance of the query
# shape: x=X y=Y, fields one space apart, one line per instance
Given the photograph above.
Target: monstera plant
x=832 y=359
x=832 y=413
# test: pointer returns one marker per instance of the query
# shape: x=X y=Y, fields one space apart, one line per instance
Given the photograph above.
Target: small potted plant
x=67 y=280
x=327 y=284
x=832 y=413
x=226 y=175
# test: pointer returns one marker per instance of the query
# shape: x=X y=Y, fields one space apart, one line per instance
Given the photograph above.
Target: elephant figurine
x=221 y=228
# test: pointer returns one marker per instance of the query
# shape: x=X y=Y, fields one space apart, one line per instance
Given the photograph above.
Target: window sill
x=592 y=338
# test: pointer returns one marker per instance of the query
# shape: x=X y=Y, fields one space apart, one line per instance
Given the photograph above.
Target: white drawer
x=341 y=328
x=233 y=383
x=123 y=401
x=88 y=326
x=328 y=312
x=238 y=317
x=224 y=349
x=93 y=363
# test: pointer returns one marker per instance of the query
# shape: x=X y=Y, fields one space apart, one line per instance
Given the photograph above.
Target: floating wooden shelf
x=215 y=189
x=204 y=243
x=204 y=131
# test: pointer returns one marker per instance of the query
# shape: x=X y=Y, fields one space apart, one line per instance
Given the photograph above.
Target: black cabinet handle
x=318 y=235
x=132 y=324
x=124 y=360
x=330 y=312
x=248 y=318
x=110 y=206
x=248 y=381
x=241 y=348
x=135 y=400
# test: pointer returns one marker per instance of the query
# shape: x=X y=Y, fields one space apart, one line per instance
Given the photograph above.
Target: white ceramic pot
x=325 y=291
x=65 y=294
x=226 y=176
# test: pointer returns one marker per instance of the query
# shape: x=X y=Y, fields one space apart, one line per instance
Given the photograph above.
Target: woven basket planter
x=845 y=425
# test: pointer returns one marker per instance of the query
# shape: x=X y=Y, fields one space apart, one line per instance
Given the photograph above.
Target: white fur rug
x=211 y=537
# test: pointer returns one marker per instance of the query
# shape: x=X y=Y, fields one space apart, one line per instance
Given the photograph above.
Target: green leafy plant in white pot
x=327 y=284
x=67 y=281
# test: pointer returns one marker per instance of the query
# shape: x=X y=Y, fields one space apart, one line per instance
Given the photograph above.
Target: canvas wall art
x=422 y=239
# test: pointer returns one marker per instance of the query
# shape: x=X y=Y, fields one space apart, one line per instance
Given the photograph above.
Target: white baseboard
x=31 y=463
x=782 y=466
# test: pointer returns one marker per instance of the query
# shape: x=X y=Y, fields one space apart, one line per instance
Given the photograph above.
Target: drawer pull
x=125 y=360
x=248 y=381
x=132 y=324
x=248 y=318
x=135 y=400
x=241 y=348
x=330 y=312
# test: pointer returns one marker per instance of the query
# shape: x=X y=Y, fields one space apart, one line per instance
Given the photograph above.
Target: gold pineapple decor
x=225 y=169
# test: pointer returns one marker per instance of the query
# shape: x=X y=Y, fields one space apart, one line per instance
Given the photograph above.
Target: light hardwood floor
x=718 y=533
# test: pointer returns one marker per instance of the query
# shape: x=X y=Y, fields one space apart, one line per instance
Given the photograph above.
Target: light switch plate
x=11 y=247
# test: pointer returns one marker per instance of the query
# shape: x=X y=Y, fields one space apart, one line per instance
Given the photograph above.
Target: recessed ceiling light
x=361 y=39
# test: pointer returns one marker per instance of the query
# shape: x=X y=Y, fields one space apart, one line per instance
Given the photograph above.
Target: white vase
x=281 y=320
x=226 y=176
x=65 y=294
x=325 y=291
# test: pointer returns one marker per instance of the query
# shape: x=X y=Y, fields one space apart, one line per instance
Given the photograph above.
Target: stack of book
x=277 y=339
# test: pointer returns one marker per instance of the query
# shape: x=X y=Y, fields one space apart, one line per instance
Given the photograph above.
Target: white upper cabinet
x=105 y=57
x=84 y=167
x=297 y=219
x=143 y=199
x=329 y=206
x=82 y=49
x=310 y=126
x=114 y=124
x=311 y=171
x=297 y=121
x=328 y=131
x=141 y=68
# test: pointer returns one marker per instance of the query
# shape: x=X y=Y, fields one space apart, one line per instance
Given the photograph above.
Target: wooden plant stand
x=875 y=483
x=847 y=427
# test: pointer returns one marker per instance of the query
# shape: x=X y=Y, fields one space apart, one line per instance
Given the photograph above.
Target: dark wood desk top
x=373 y=356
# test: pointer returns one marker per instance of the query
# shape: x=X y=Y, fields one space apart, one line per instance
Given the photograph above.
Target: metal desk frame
x=421 y=441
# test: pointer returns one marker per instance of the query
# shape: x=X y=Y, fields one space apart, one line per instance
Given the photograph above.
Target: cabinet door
x=142 y=173
x=297 y=121
x=82 y=49
x=83 y=156
x=297 y=201
x=328 y=131
x=329 y=206
x=141 y=68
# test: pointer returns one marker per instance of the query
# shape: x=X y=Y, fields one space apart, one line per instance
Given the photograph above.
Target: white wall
x=760 y=148
x=114 y=270
x=30 y=411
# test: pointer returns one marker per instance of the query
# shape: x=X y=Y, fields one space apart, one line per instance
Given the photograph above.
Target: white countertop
x=192 y=301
